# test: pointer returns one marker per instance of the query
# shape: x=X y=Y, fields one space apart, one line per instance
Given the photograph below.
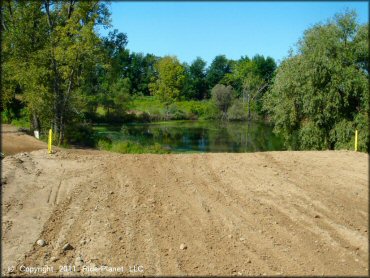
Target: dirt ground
x=270 y=213
x=14 y=141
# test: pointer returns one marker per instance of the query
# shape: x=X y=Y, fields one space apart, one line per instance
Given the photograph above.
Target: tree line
x=57 y=66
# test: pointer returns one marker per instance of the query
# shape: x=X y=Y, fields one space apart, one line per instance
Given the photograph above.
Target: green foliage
x=12 y=110
x=156 y=110
x=219 y=67
x=222 y=96
x=22 y=120
x=195 y=108
x=197 y=86
x=80 y=134
x=237 y=111
x=343 y=134
x=145 y=103
x=175 y=113
x=141 y=71
x=104 y=144
x=240 y=70
x=58 y=72
x=211 y=112
x=251 y=78
x=312 y=137
x=264 y=67
x=121 y=95
x=48 y=48
x=171 y=76
x=319 y=94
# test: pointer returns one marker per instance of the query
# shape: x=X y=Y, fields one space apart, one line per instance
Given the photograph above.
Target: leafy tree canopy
x=170 y=79
x=320 y=95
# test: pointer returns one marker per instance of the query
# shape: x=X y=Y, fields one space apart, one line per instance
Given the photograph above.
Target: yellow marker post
x=50 y=139
x=356 y=140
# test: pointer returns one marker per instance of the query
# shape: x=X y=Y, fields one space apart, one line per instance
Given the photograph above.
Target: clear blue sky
x=207 y=29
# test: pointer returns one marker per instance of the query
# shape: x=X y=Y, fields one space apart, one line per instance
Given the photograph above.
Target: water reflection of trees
x=206 y=136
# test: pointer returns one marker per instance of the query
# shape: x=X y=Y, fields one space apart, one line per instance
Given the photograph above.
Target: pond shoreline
x=194 y=135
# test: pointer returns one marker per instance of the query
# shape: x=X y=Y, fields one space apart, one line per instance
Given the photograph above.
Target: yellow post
x=50 y=139
x=356 y=140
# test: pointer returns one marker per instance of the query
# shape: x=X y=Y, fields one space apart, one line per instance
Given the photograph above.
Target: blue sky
x=207 y=29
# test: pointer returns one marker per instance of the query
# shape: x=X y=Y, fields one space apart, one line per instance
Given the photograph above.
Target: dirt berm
x=271 y=213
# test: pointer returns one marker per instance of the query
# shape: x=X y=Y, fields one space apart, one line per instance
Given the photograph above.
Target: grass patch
x=21 y=123
x=178 y=110
x=151 y=109
x=146 y=104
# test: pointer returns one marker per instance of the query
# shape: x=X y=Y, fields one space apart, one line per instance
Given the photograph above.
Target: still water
x=198 y=136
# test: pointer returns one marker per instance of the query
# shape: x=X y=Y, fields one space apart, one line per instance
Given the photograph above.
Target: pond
x=198 y=136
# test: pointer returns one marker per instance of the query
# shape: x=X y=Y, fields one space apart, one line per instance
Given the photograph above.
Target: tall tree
x=51 y=44
x=251 y=79
x=219 y=67
x=140 y=71
x=222 y=96
x=114 y=71
x=264 y=67
x=321 y=94
x=197 y=79
x=170 y=79
x=23 y=30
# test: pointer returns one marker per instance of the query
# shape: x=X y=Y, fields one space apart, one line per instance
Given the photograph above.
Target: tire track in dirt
x=238 y=214
x=289 y=212
x=244 y=206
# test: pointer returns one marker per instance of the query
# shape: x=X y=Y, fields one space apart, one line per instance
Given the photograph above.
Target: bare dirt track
x=14 y=141
x=273 y=213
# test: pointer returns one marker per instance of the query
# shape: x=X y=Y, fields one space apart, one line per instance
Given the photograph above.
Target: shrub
x=80 y=134
x=222 y=96
x=124 y=147
x=104 y=144
x=13 y=110
x=157 y=114
x=343 y=134
x=174 y=113
x=311 y=137
x=211 y=112
x=21 y=120
x=237 y=111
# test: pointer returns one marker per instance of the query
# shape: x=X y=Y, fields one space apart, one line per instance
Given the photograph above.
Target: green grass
x=146 y=104
x=192 y=108
x=21 y=122
x=154 y=110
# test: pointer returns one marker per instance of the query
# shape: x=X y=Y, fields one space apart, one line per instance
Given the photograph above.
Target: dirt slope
x=14 y=141
x=273 y=213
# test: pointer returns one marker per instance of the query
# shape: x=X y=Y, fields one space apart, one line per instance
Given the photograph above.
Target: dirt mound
x=273 y=213
x=14 y=141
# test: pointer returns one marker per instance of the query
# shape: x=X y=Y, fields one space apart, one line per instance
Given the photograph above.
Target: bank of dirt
x=14 y=141
x=273 y=213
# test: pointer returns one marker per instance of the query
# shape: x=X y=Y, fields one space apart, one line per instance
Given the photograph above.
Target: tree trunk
x=35 y=122
x=61 y=131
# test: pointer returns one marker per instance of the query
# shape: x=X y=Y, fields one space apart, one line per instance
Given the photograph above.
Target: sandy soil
x=272 y=213
x=14 y=141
